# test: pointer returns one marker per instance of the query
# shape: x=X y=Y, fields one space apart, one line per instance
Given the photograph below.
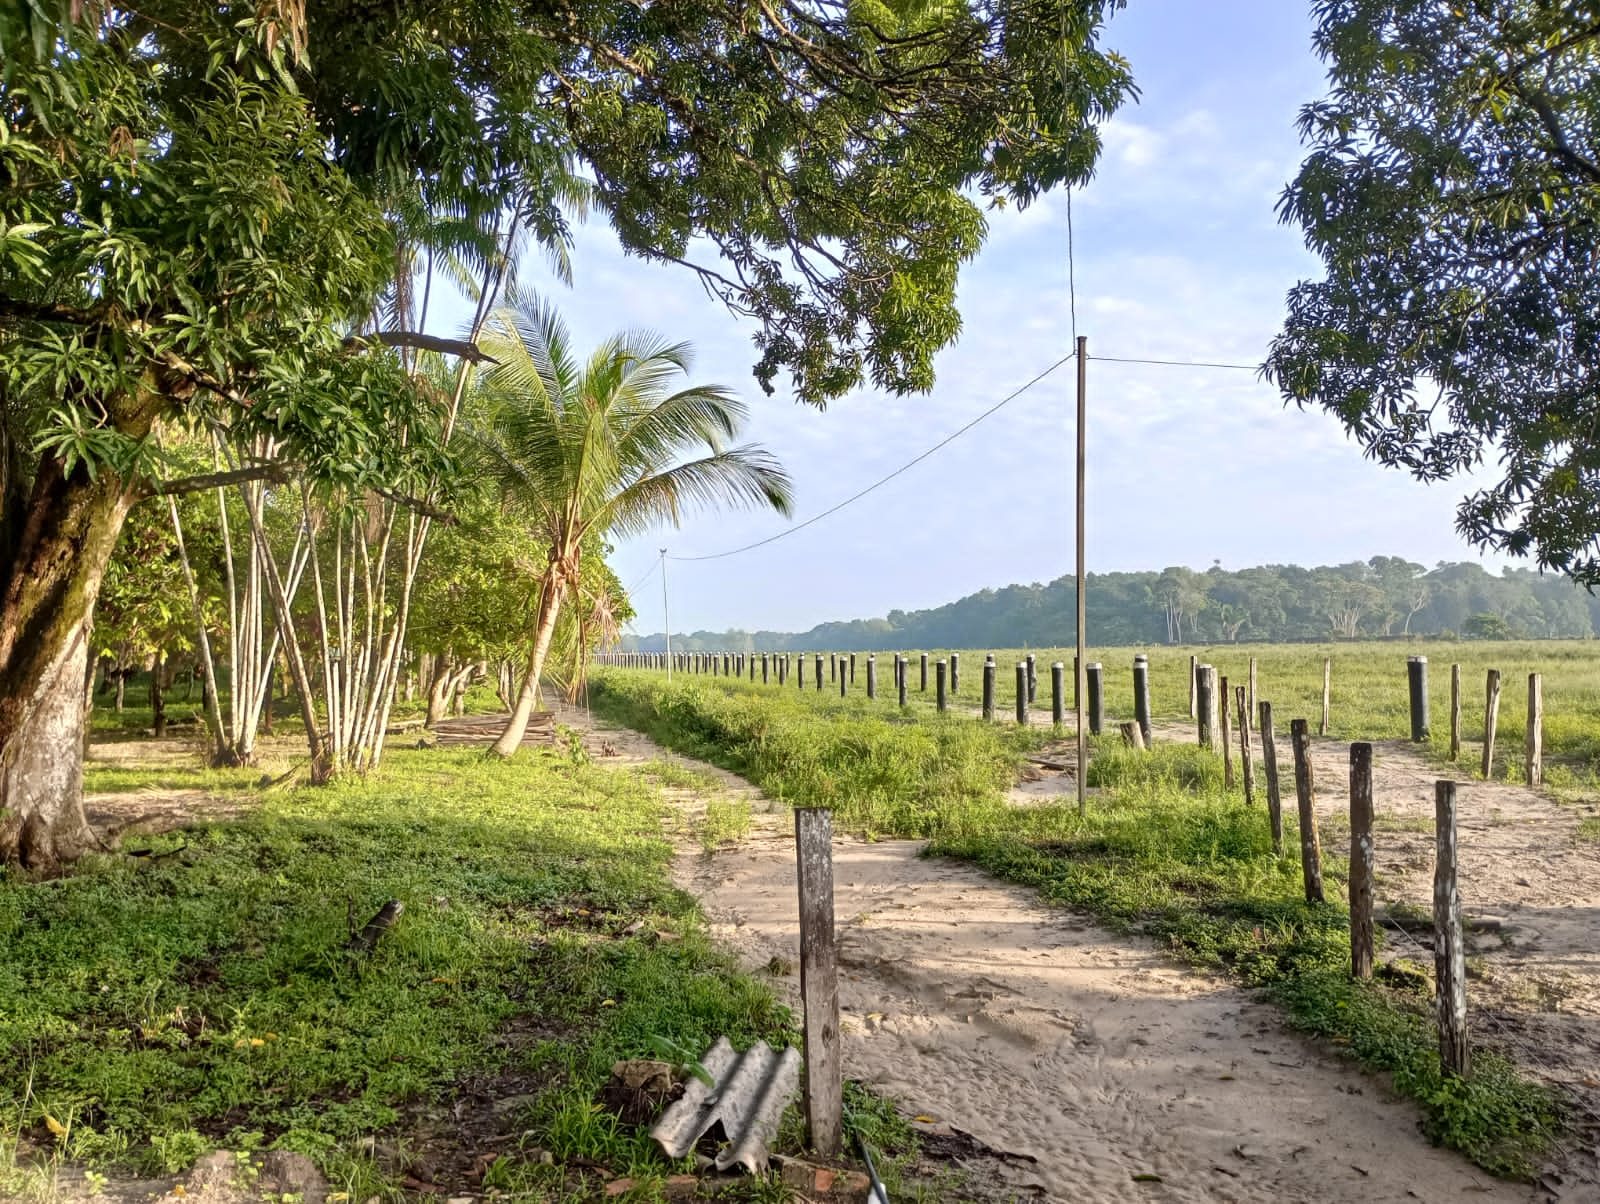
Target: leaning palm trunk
x=549 y=610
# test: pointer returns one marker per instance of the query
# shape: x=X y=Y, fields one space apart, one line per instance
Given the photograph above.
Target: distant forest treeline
x=1382 y=597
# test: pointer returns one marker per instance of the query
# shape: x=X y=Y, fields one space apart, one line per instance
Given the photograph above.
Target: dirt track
x=1091 y=1057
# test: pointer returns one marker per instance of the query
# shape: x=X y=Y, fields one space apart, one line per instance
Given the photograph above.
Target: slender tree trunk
x=550 y=607
x=122 y=688
x=158 y=699
x=46 y=615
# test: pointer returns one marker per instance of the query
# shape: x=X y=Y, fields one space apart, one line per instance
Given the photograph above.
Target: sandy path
x=1043 y=1035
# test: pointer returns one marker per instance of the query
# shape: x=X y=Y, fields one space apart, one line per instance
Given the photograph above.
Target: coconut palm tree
x=605 y=448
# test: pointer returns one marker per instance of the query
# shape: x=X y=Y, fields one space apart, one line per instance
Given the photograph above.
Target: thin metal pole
x=1081 y=666
x=666 y=620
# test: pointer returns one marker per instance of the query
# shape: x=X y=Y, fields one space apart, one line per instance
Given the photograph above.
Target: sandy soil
x=1091 y=1058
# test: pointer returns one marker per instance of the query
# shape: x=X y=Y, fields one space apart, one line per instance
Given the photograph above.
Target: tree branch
x=418 y=506
x=276 y=472
x=464 y=348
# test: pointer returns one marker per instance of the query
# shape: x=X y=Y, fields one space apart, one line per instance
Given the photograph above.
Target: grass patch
x=1589 y=828
x=726 y=821
x=884 y=770
x=1165 y=851
x=150 y=1010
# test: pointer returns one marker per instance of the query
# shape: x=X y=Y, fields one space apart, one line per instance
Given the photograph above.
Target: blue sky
x=1179 y=256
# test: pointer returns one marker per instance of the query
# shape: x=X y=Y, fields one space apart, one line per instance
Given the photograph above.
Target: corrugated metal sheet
x=749 y=1093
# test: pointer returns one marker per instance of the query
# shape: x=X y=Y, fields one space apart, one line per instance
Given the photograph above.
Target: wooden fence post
x=1327 y=690
x=1455 y=712
x=852 y=668
x=1033 y=678
x=819 y=673
x=1058 y=694
x=1226 y=701
x=833 y=666
x=1535 y=732
x=1246 y=761
x=1250 y=710
x=1193 y=688
x=1305 y=796
x=955 y=672
x=938 y=685
x=819 y=981
x=872 y=675
x=923 y=679
x=1022 y=693
x=1206 y=705
x=1449 y=949
x=988 y=688
x=1095 y=692
x=1491 y=720
x=1417 y=680
x=1269 y=764
x=844 y=682
x=905 y=674
x=1132 y=735
x=1361 y=859
x=1141 y=695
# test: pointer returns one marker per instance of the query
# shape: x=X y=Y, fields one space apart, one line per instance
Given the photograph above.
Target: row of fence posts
x=1216 y=712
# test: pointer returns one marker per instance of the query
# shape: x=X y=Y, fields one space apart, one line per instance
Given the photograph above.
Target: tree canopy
x=1452 y=191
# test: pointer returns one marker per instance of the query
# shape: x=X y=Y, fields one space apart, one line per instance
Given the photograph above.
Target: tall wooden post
x=955 y=672
x=1251 y=710
x=1206 y=704
x=905 y=675
x=1455 y=712
x=844 y=681
x=1449 y=948
x=1327 y=688
x=833 y=666
x=1417 y=681
x=1058 y=691
x=1246 y=761
x=1193 y=688
x=1033 y=678
x=1082 y=620
x=852 y=668
x=1305 y=795
x=1535 y=730
x=1361 y=856
x=1141 y=695
x=1022 y=693
x=922 y=679
x=872 y=675
x=819 y=981
x=1094 y=678
x=1224 y=701
x=988 y=689
x=1269 y=765
x=819 y=673
x=1491 y=719
x=938 y=686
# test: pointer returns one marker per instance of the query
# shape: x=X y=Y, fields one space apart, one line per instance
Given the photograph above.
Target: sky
x=1179 y=256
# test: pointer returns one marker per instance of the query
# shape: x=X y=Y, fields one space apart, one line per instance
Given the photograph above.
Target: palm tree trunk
x=511 y=739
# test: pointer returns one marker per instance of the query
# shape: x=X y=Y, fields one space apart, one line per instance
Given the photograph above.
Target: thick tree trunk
x=46 y=613
x=511 y=739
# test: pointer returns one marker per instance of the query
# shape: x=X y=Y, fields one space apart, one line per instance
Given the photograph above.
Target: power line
x=1117 y=359
x=634 y=588
x=882 y=481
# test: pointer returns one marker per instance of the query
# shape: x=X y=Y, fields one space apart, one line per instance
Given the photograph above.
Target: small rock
x=617 y=1186
x=546 y=1158
x=643 y=1075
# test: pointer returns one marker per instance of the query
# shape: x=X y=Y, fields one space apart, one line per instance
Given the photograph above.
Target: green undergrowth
x=204 y=995
x=1165 y=850
x=883 y=770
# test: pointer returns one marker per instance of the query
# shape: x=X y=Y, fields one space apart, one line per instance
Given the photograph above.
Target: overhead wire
x=884 y=480
x=1120 y=359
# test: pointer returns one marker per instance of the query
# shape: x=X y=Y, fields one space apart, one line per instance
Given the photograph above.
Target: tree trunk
x=550 y=607
x=46 y=614
x=158 y=700
x=122 y=688
x=439 y=690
